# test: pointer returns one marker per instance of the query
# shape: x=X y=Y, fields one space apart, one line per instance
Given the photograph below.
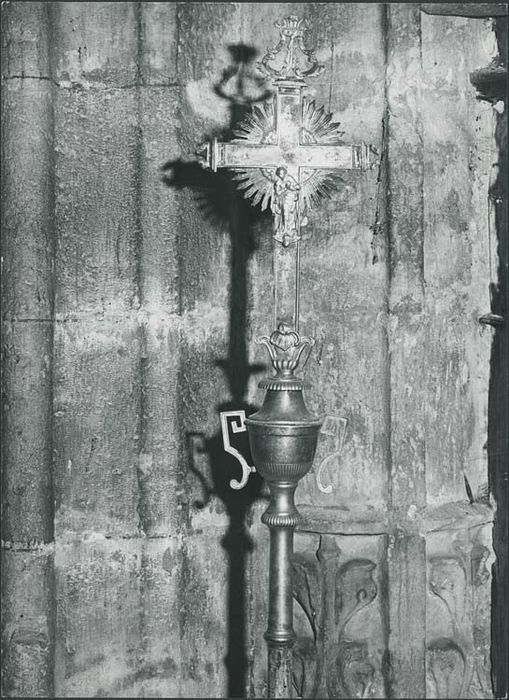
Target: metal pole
x=281 y=517
x=282 y=436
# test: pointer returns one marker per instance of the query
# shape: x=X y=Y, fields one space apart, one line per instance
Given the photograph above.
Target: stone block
x=25 y=40
x=95 y=44
x=118 y=620
x=458 y=258
x=27 y=195
x=158 y=38
x=27 y=622
x=160 y=467
x=140 y=617
x=97 y=222
x=27 y=504
x=160 y=203
x=96 y=428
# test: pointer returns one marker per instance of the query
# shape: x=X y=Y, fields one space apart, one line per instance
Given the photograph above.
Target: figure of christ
x=284 y=206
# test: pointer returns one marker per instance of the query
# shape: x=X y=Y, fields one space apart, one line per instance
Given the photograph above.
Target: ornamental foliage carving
x=334 y=660
x=457 y=650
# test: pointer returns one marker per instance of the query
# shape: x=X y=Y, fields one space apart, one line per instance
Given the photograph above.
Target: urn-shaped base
x=283 y=433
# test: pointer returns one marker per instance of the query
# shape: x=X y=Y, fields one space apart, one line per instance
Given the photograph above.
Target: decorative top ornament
x=291 y=60
x=285 y=347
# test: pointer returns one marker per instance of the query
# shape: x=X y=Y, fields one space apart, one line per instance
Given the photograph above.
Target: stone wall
x=133 y=286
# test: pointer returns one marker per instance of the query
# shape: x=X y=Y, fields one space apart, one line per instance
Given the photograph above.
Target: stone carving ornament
x=334 y=662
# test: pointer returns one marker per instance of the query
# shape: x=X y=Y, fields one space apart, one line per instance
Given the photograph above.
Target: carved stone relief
x=341 y=631
x=335 y=654
x=458 y=615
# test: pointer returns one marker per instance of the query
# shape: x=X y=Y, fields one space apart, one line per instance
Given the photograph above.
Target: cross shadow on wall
x=220 y=202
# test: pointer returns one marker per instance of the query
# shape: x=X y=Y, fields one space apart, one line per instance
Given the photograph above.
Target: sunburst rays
x=317 y=127
x=254 y=185
x=258 y=126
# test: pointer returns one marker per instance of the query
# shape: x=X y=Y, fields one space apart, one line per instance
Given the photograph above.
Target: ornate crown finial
x=285 y=347
x=290 y=64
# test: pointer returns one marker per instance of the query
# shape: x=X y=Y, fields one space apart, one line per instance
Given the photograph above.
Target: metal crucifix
x=286 y=153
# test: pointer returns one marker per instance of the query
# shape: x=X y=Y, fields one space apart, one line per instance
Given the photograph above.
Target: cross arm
x=332 y=157
x=216 y=154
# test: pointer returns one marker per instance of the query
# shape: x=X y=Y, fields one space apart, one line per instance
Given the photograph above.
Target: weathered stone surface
x=207 y=239
x=160 y=205
x=96 y=209
x=153 y=608
x=406 y=333
x=95 y=44
x=27 y=352
x=27 y=512
x=28 y=611
x=25 y=40
x=343 y=291
x=96 y=428
x=405 y=225
x=205 y=211
x=204 y=615
x=97 y=399
x=198 y=372
x=159 y=324
x=27 y=194
x=159 y=433
x=458 y=158
x=405 y=672
x=158 y=41
x=123 y=595
x=27 y=185
x=26 y=276
x=466 y=9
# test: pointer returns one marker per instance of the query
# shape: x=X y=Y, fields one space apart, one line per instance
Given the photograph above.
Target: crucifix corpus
x=287 y=153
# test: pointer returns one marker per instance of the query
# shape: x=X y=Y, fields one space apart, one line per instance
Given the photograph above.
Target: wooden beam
x=466 y=9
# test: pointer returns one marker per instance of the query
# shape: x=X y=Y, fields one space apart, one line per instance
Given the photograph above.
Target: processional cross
x=287 y=153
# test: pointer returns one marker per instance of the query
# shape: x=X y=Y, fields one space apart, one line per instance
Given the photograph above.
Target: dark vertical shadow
x=492 y=86
x=219 y=200
x=498 y=427
x=498 y=424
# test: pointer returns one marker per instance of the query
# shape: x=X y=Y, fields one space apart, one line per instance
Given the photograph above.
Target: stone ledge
x=356 y=520
x=368 y=520
x=474 y=9
x=455 y=516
